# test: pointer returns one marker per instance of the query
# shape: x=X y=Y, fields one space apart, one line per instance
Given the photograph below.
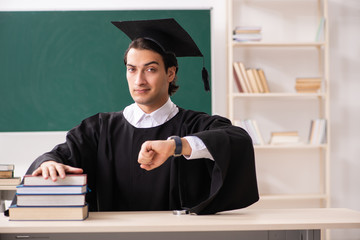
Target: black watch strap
x=178 y=145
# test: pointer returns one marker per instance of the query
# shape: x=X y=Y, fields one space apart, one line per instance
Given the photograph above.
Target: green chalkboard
x=59 y=67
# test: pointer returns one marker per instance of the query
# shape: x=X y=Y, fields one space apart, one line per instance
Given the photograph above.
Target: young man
x=154 y=155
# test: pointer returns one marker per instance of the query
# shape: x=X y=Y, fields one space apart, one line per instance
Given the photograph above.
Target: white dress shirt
x=139 y=119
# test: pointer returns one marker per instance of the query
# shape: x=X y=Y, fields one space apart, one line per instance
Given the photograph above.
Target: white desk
x=156 y=225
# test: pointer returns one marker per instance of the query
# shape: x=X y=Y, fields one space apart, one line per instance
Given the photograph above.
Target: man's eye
x=131 y=69
x=151 y=70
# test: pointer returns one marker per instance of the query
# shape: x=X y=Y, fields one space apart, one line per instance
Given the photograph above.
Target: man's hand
x=53 y=169
x=154 y=153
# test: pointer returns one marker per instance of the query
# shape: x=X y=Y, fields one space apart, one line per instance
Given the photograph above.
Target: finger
x=53 y=173
x=45 y=172
x=146 y=157
x=147 y=167
x=36 y=172
x=75 y=170
x=60 y=170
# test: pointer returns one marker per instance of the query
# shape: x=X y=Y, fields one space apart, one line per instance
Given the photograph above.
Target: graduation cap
x=169 y=35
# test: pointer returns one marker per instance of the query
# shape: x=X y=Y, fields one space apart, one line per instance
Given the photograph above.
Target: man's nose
x=140 y=78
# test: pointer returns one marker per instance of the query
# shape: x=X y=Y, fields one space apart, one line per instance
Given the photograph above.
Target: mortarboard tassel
x=205 y=78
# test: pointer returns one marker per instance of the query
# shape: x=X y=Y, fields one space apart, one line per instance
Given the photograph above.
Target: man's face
x=147 y=79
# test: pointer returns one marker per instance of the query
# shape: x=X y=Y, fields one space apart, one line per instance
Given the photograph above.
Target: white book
x=70 y=179
x=322 y=131
x=50 y=200
x=251 y=130
x=21 y=189
x=258 y=133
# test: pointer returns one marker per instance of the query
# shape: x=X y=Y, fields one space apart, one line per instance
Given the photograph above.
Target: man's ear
x=171 y=73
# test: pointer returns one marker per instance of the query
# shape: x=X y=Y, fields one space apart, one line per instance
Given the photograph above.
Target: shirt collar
x=135 y=115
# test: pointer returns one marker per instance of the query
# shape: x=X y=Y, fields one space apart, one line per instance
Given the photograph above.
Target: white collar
x=134 y=115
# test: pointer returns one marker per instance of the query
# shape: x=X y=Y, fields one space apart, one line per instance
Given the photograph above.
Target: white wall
x=23 y=148
x=345 y=87
x=345 y=106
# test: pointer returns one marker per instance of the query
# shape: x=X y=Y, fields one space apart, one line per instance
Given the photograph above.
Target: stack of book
x=317 y=131
x=308 y=85
x=43 y=199
x=7 y=175
x=247 y=33
x=290 y=137
x=253 y=130
x=249 y=80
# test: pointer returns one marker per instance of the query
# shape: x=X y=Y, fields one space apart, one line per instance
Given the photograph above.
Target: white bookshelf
x=289 y=48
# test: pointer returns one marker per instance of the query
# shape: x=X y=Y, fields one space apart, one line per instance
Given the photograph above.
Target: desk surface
x=239 y=220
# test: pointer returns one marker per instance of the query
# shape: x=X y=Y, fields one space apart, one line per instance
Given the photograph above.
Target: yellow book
x=263 y=80
x=252 y=81
x=245 y=77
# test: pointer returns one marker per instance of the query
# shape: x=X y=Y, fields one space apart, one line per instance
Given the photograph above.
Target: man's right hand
x=54 y=169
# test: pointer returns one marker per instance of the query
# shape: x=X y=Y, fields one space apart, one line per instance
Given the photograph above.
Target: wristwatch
x=178 y=145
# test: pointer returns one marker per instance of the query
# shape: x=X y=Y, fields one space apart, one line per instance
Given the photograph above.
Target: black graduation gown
x=106 y=147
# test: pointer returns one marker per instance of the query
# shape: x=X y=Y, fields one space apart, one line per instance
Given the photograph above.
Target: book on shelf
x=244 y=75
x=258 y=80
x=308 y=84
x=252 y=80
x=236 y=72
x=285 y=137
x=263 y=80
x=247 y=33
x=70 y=179
x=6 y=174
x=10 y=181
x=320 y=30
x=7 y=171
x=249 y=80
x=7 y=167
x=252 y=128
x=247 y=29
x=50 y=199
x=70 y=189
x=317 y=133
x=69 y=213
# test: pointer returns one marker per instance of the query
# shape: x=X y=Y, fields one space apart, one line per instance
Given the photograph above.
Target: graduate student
x=155 y=155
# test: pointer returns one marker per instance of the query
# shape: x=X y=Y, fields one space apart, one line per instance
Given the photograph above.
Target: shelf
x=278 y=44
x=288 y=49
x=290 y=146
x=276 y=95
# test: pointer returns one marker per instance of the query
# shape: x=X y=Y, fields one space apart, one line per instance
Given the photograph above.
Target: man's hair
x=169 y=58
